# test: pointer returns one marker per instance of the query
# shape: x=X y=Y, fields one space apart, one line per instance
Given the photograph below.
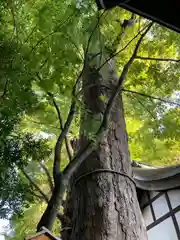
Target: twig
x=40 y=123
x=74 y=44
x=30 y=34
x=50 y=182
x=150 y=113
x=35 y=185
x=51 y=33
x=151 y=97
x=123 y=75
x=158 y=59
x=13 y=58
x=83 y=154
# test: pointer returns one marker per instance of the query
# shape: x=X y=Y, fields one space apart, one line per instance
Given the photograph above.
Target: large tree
x=69 y=73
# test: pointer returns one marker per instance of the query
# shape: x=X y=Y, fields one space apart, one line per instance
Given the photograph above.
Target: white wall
x=161 y=212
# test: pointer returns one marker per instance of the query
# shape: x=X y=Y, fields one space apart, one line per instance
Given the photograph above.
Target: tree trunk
x=103 y=204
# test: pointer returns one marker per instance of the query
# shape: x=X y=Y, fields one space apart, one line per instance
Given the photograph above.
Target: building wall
x=161 y=212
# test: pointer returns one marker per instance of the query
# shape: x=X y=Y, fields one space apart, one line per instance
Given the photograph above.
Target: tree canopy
x=42 y=46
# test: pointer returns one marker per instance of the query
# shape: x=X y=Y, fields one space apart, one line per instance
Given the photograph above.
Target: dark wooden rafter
x=165 y=13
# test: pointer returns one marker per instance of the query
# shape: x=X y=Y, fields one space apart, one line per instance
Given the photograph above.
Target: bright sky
x=1 y=237
x=3 y=223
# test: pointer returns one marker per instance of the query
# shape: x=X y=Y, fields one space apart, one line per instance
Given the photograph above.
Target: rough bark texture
x=104 y=205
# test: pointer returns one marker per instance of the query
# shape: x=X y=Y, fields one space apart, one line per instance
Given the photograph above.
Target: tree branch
x=41 y=198
x=122 y=49
x=50 y=182
x=63 y=218
x=41 y=123
x=83 y=154
x=142 y=104
x=158 y=59
x=62 y=136
x=57 y=160
x=57 y=163
x=68 y=37
x=90 y=37
x=61 y=126
x=14 y=21
x=126 y=23
x=60 y=216
x=151 y=97
x=35 y=185
x=5 y=89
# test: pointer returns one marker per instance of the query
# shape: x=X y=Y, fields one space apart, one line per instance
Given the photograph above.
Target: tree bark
x=103 y=204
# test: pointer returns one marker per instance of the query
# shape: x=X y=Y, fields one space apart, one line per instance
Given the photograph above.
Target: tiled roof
x=157 y=179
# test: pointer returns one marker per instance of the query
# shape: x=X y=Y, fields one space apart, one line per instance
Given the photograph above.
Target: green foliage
x=42 y=46
x=17 y=152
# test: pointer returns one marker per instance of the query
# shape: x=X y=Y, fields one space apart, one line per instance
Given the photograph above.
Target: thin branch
x=50 y=182
x=57 y=163
x=13 y=58
x=14 y=21
x=91 y=35
x=143 y=105
x=158 y=59
x=61 y=126
x=5 y=89
x=41 y=123
x=60 y=216
x=56 y=168
x=30 y=34
x=122 y=49
x=148 y=110
x=151 y=97
x=44 y=63
x=126 y=23
x=57 y=160
x=58 y=147
x=150 y=113
x=35 y=185
x=83 y=154
x=63 y=218
x=41 y=198
x=74 y=44
x=62 y=135
x=51 y=33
